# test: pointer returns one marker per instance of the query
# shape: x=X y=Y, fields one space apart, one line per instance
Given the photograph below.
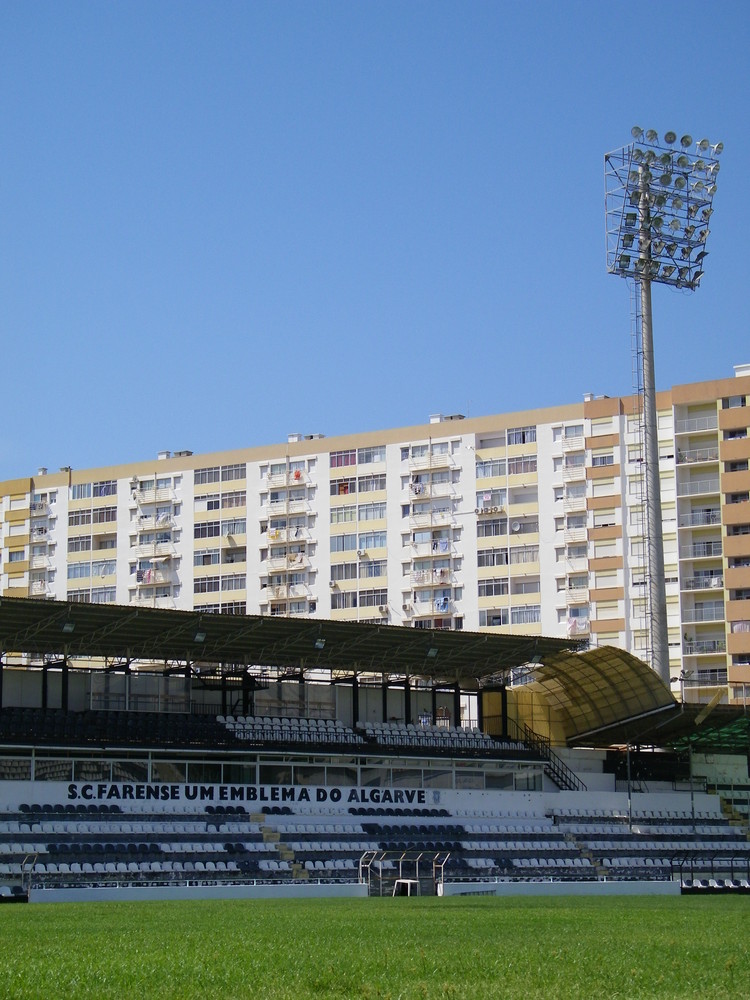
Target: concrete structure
x=527 y=522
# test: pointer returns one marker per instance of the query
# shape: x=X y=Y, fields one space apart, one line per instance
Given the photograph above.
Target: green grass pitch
x=373 y=948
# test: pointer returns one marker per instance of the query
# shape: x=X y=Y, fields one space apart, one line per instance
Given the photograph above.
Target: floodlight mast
x=637 y=210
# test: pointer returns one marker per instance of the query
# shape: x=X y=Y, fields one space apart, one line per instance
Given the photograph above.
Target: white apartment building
x=526 y=522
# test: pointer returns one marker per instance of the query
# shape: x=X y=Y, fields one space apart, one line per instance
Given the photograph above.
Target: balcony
x=707 y=614
x=278 y=507
x=696 y=425
x=430 y=578
x=700 y=518
x=701 y=647
x=696 y=456
x=147 y=521
x=697 y=487
x=576 y=595
x=154 y=602
x=703 y=583
x=574 y=474
x=575 y=535
x=574 y=505
x=441 y=547
x=441 y=461
x=39 y=509
x=153 y=549
x=39 y=588
x=701 y=550
x=151 y=577
x=573 y=443
x=442 y=605
x=164 y=494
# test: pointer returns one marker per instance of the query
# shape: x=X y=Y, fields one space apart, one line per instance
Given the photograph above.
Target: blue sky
x=224 y=222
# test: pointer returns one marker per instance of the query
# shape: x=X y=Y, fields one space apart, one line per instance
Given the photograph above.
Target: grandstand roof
x=599 y=689
x=116 y=632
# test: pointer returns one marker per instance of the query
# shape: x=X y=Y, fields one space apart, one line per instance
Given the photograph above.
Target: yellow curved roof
x=599 y=688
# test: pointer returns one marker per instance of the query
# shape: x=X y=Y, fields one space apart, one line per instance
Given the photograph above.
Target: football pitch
x=377 y=948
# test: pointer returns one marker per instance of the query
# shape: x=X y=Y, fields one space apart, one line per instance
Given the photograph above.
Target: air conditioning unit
x=361 y=552
x=406 y=607
x=332 y=584
x=515 y=526
x=383 y=608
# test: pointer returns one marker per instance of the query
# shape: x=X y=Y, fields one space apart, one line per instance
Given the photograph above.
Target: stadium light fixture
x=320 y=644
x=653 y=193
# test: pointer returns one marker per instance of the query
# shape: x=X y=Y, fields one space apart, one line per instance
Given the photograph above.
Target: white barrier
x=559 y=888
x=285 y=890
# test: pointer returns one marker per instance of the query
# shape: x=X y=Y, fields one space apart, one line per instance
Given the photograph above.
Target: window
x=599 y=460
x=521 y=435
x=525 y=614
x=732 y=402
x=573 y=431
x=373 y=598
x=372 y=568
x=491 y=498
x=524 y=554
x=369 y=484
x=343 y=571
x=343 y=543
x=78 y=517
x=492 y=557
x=490 y=618
x=80 y=491
x=371 y=511
x=343 y=487
x=16 y=555
x=492 y=527
x=103 y=595
x=206 y=585
x=208 y=529
x=104 y=567
x=238 y=498
x=342 y=458
x=235 y=526
x=343 y=599
x=522 y=464
x=492 y=467
x=341 y=515
x=375 y=454
x=106 y=488
x=104 y=515
x=234 y=582
x=492 y=588
x=79 y=596
x=492 y=442
x=210 y=475
x=231 y=472
x=81 y=544
x=372 y=540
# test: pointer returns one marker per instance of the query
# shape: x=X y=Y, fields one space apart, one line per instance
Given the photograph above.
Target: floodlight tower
x=658 y=205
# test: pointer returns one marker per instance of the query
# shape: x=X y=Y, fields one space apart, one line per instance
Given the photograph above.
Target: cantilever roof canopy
x=600 y=688
x=119 y=632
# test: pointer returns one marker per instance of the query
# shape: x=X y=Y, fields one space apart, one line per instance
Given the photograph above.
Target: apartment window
x=208 y=475
x=606 y=459
x=574 y=431
x=234 y=526
x=521 y=465
x=738 y=497
x=206 y=585
x=577 y=552
x=343 y=487
x=492 y=557
x=365 y=456
x=373 y=598
x=573 y=521
x=525 y=614
x=238 y=498
x=492 y=588
x=373 y=568
x=735 y=434
x=369 y=484
x=164 y=483
x=574 y=460
x=234 y=582
x=210 y=501
x=105 y=488
x=732 y=402
x=81 y=544
x=492 y=527
x=207 y=557
x=79 y=571
x=344 y=571
x=104 y=515
x=208 y=529
x=343 y=543
x=490 y=618
x=342 y=458
x=104 y=567
x=524 y=554
x=341 y=600
x=736 y=466
x=491 y=467
x=79 y=596
x=103 y=595
x=371 y=511
x=231 y=472
x=604 y=518
x=521 y=435
x=342 y=515
x=372 y=540
x=491 y=498
x=78 y=517
x=498 y=441
x=80 y=491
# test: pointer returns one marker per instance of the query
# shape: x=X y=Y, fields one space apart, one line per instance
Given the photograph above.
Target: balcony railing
x=709 y=614
x=701 y=550
x=700 y=518
x=574 y=473
x=692 y=424
x=697 y=647
x=695 y=487
x=695 y=455
x=703 y=583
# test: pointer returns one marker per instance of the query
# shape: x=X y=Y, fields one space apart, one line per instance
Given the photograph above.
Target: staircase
x=554 y=766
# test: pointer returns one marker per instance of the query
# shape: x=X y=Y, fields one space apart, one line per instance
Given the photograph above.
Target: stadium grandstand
x=150 y=753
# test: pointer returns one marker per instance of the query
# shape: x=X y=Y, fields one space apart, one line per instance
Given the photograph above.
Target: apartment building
x=529 y=522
